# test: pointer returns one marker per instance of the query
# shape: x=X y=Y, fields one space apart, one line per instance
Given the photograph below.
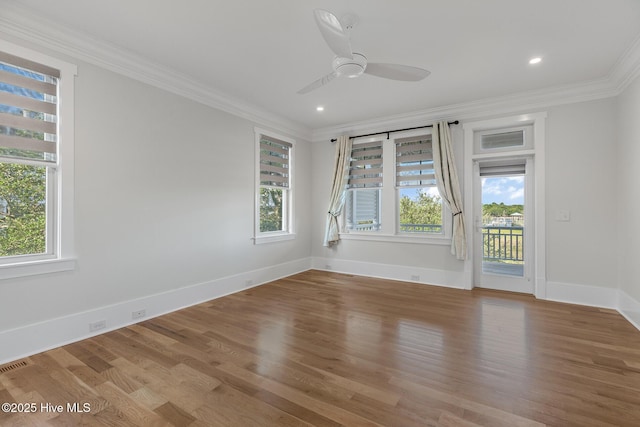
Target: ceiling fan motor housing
x=350 y=67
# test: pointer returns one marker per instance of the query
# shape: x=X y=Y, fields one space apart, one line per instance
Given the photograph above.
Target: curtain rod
x=396 y=130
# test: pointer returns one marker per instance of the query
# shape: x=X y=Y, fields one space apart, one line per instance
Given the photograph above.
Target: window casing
x=274 y=189
x=393 y=196
x=36 y=162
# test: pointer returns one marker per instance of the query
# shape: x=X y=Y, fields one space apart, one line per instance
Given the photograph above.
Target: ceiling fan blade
x=396 y=72
x=333 y=33
x=318 y=83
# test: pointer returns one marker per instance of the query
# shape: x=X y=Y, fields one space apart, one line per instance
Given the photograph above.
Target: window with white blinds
x=365 y=169
x=362 y=203
x=274 y=162
x=36 y=185
x=414 y=163
x=28 y=109
x=274 y=195
x=392 y=193
x=419 y=203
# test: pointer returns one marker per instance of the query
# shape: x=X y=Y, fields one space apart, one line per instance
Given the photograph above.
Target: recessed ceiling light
x=320 y=108
x=535 y=60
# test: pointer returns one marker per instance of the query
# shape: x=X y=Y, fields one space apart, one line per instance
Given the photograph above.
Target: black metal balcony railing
x=503 y=243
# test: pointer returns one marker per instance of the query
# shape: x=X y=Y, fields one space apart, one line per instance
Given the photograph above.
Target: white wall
x=581 y=179
x=628 y=185
x=161 y=205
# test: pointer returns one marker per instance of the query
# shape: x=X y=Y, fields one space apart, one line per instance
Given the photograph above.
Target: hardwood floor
x=328 y=349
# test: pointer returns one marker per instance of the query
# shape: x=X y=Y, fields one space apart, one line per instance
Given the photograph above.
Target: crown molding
x=21 y=24
x=627 y=68
x=482 y=108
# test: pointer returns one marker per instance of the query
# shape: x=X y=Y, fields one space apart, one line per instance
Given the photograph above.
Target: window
x=363 y=187
x=503 y=140
x=392 y=193
x=36 y=209
x=274 y=213
x=420 y=204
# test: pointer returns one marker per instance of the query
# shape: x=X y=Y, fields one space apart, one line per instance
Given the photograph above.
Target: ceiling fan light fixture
x=350 y=67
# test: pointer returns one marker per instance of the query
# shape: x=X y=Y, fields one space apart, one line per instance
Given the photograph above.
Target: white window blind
x=274 y=162
x=512 y=167
x=365 y=170
x=28 y=109
x=414 y=163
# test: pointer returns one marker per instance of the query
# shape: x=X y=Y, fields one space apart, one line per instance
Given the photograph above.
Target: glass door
x=502 y=214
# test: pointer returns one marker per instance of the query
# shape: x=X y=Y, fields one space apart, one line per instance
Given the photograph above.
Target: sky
x=503 y=189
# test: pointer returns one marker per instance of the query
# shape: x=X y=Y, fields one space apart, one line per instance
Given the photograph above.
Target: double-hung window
x=274 y=195
x=392 y=192
x=36 y=205
x=363 y=187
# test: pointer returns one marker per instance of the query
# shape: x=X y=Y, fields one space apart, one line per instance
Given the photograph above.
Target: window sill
x=272 y=238
x=32 y=268
x=398 y=238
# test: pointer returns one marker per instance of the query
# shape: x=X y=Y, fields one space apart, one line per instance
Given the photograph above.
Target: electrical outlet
x=415 y=277
x=138 y=314
x=248 y=283
x=327 y=267
x=96 y=326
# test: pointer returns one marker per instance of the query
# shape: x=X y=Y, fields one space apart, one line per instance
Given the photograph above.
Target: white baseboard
x=35 y=338
x=629 y=308
x=429 y=276
x=593 y=296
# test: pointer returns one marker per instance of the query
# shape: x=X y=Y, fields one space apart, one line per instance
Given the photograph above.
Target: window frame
x=260 y=237
x=390 y=200
x=60 y=254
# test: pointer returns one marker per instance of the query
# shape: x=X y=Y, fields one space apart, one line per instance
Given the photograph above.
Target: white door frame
x=538 y=121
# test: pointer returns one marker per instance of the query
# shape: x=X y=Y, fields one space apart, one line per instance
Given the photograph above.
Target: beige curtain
x=336 y=201
x=448 y=185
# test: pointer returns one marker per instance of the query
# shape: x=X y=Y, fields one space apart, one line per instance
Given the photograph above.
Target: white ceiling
x=260 y=53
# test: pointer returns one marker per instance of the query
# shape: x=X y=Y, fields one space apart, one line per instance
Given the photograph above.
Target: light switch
x=563 y=216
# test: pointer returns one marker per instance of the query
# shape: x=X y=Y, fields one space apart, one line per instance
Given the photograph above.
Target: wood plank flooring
x=327 y=349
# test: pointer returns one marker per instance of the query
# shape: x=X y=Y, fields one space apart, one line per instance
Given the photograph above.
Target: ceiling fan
x=351 y=64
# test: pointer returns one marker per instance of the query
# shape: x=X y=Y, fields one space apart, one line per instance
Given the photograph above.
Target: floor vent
x=12 y=366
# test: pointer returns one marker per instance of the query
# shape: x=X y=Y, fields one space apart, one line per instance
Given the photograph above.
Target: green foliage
x=500 y=209
x=22 y=227
x=271 y=209
x=423 y=209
